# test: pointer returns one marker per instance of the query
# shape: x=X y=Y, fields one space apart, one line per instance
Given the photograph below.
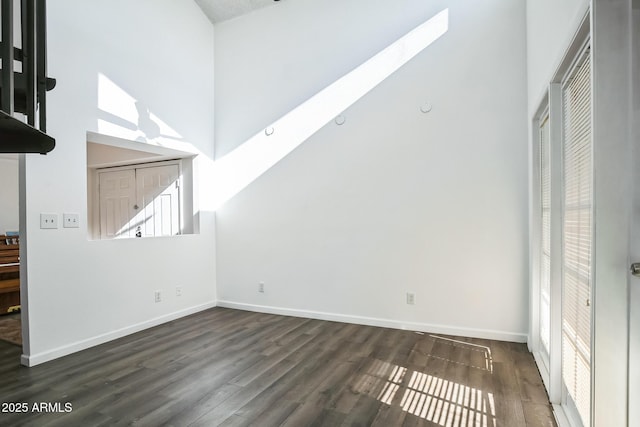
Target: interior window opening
x=135 y=190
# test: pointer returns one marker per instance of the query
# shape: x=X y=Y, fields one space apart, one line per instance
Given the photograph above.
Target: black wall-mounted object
x=25 y=91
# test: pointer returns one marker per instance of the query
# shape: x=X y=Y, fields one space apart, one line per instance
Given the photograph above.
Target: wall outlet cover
x=70 y=220
x=48 y=220
x=411 y=298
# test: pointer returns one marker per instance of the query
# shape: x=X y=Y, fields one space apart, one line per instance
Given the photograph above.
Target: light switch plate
x=48 y=220
x=70 y=220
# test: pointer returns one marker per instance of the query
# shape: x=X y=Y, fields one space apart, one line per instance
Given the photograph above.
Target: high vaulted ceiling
x=222 y=10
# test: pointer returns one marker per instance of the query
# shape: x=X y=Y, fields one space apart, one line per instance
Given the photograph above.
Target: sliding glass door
x=563 y=235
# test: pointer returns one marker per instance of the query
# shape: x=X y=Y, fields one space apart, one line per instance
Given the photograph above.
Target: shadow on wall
x=120 y=113
x=146 y=124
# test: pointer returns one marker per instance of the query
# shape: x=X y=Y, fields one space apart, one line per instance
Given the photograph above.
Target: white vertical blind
x=545 y=234
x=576 y=236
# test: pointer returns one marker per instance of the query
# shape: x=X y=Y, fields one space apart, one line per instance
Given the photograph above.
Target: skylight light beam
x=239 y=168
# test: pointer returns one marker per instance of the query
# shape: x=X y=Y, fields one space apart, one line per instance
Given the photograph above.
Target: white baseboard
x=384 y=323
x=36 y=359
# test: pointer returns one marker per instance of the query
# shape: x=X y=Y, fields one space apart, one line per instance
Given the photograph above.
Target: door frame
x=634 y=252
x=612 y=44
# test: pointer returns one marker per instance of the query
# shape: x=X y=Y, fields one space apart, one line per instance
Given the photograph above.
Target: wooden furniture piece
x=9 y=274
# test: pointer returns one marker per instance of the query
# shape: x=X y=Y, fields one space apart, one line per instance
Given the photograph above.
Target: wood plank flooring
x=224 y=367
x=11 y=328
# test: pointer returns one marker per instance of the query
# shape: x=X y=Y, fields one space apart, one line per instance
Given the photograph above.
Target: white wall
x=8 y=193
x=394 y=200
x=551 y=25
x=106 y=56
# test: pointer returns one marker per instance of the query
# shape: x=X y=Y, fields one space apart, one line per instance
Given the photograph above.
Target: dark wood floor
x=11 y=328
x=233 y=368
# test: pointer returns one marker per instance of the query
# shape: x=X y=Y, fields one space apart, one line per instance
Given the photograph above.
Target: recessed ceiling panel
x=222 y=10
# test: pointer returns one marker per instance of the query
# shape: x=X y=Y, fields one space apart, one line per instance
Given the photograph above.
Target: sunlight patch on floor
x=435 y=399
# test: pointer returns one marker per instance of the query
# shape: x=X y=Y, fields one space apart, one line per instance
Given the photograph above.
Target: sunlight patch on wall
x=121 y=115
x=242 y=166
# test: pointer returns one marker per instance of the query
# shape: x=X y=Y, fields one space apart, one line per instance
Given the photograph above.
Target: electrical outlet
x=178 y=291
x=70 y=220
x=261 y=287
x=158 y=295
x=411 y=298
x=48 y=220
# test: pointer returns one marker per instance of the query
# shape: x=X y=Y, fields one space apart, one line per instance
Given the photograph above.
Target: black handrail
x=7 y=57
x=25 y=92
